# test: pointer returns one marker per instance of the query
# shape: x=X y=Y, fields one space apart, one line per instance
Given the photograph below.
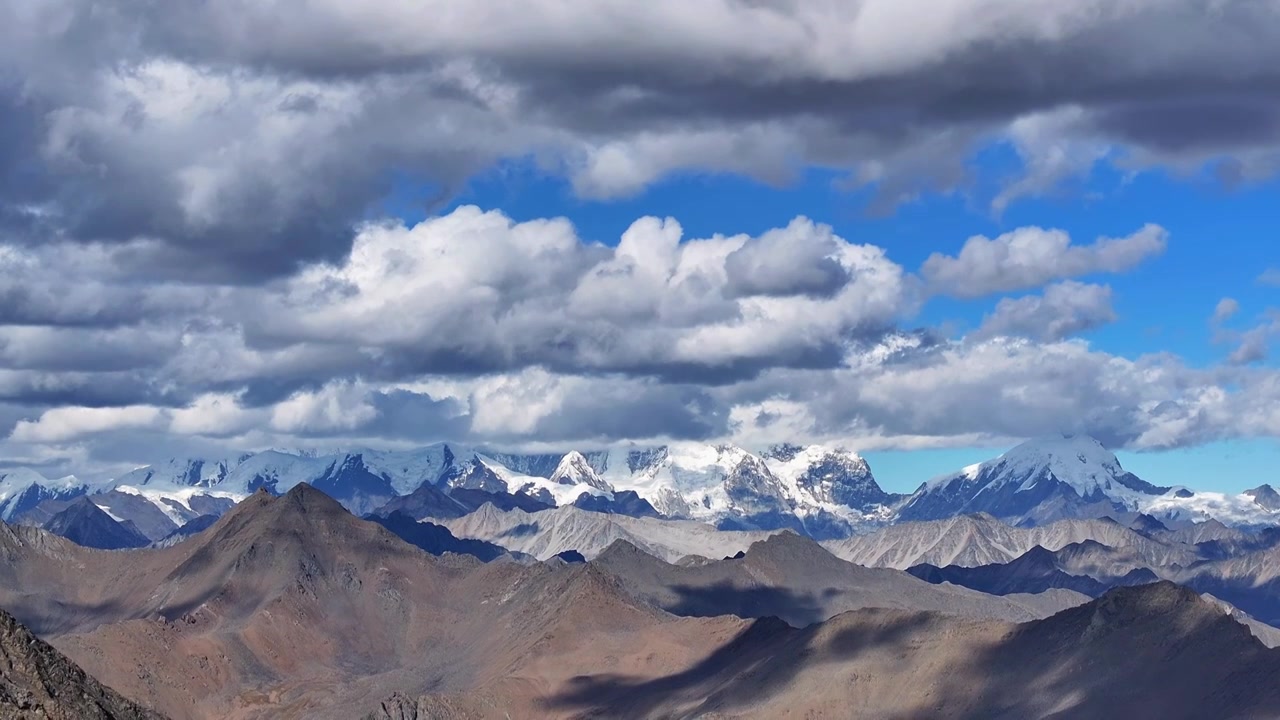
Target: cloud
x=802 y=259
x=1065 y=309
x=1270 y=277
x=472 y=327
x=490 y=294
x=1225 y=310
x=1029 y=257
x=1254 y=344
x=914 y=394
x=239 y=141
x=67 y=423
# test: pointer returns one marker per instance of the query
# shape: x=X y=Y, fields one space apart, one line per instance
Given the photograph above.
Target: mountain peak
x=574 y=469
x=1082 y=448
x=1265 y=496
x=1039 y=480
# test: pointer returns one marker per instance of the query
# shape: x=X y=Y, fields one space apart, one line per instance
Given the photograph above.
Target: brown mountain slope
x=40 y=683
x=797 y=580
x=292 y=607
x=1152 y=651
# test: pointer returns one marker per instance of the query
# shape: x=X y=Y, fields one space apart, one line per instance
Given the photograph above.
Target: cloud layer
x=475 y=327
x=240 y=140
x=191 y=256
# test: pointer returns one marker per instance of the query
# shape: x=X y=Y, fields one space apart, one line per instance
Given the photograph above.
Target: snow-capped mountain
x=825 y=492
x=21 y=490
x=1074 y=476
x=575 y=469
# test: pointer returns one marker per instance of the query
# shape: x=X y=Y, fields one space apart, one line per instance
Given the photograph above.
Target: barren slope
x=40 y=683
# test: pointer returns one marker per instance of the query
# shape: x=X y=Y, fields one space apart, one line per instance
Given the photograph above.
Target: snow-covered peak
x=1072 y=449
x=790 y=459
x=16 y=480
x=574 y=469
x=23 y=488
x=181 y=472
x=1077 y=460
x=407 y=470
x=1036 y=482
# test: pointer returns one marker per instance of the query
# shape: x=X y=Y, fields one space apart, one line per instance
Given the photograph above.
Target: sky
x=922 y=230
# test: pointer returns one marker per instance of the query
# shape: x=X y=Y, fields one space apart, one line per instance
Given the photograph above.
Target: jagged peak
x=575 y=469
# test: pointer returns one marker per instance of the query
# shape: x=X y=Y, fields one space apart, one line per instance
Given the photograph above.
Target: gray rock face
x=474 y=475
x=86 y=524
x=843 y=480
x=353 y=484
x=754 y=489
x=39 y=683
x=18 y=506
x=1266 y=496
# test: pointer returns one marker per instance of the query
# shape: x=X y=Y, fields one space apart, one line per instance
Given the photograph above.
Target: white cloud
x=215 y=414
x=488 y=293
x=1063 y=310
x=473 y=327
x=1030 y=257
x=336 y=406
x=220 y=134
x=68 y=423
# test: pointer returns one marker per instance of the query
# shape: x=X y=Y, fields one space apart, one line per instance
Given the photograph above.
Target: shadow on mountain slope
x=741 y=674
x=1150 y=651
x=724 y=598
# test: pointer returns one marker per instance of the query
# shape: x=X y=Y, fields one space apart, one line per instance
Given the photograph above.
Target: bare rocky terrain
x=548 y=533
x=291 y=607
x=1154 y=651
x=980 y=539
x=39 y=683
x=795 y=579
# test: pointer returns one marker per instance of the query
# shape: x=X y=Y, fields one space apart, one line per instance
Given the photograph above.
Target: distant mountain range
x=290 y=606
x=824 y=492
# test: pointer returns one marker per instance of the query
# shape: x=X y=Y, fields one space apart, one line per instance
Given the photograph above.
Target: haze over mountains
x=822 y=492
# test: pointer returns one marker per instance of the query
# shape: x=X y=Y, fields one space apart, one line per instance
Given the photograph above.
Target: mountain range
x=290 y=606
x=823 y=492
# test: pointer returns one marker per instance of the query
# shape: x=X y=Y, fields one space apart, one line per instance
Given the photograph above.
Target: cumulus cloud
x=490 y=294
x=1065 y=309
x=473 y=327
x=919 y=394
x=241 y=140
x=1029 y=257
